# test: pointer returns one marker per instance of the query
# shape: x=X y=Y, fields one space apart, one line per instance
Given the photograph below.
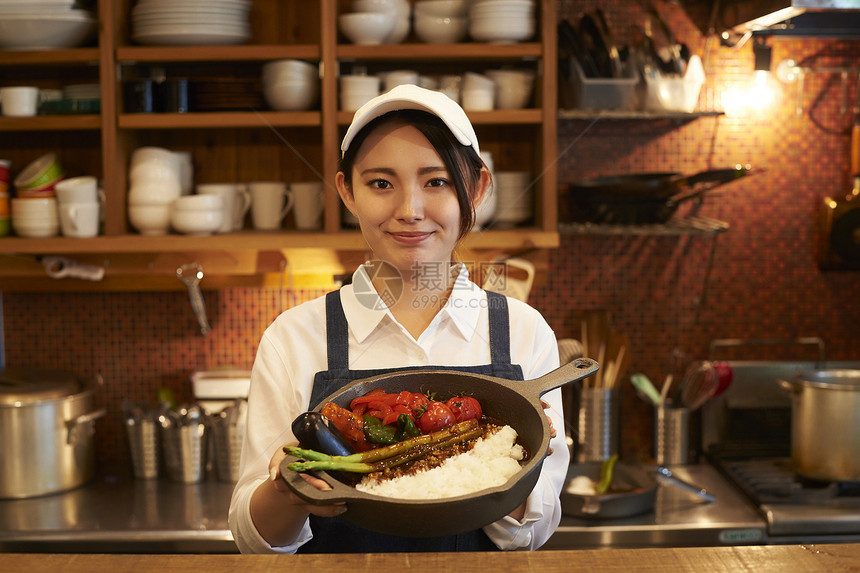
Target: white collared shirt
x=293 y=349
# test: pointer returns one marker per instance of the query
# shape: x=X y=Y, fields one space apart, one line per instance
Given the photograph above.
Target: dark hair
x=462 y=162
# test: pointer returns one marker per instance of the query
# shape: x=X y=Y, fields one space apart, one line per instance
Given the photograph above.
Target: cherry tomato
x=437 y=416
x=465 y=408
x=415 y=401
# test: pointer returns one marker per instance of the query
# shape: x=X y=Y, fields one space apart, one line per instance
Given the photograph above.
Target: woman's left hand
x=552 y=431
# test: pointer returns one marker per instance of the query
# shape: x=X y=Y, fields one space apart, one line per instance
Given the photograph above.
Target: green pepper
x=606 y=474
x=378 y=433
x=406 y=428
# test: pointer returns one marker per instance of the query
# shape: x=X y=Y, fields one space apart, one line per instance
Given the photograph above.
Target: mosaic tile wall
x=757 y=280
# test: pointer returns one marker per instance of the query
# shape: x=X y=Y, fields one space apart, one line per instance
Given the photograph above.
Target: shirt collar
x=365 y=310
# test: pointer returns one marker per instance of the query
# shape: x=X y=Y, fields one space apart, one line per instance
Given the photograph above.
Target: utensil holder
x=185 y=452
x=227 y=439
x=597 y=437
x=672 y=436
x=143 y=442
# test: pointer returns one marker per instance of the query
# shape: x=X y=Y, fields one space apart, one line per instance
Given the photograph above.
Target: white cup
x=309 y=200
x=79 y=219
x=186 y=171
x=19 y=101
x=399 y=78
x=270 y=203
x=83 y=189
x=236 y=201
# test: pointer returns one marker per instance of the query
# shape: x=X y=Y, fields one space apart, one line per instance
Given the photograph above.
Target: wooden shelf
x=218 y=120
x=251 y=240
x=74 y=56
x=51 y=123
x=134 y=54
x=464 y=51
x=243 y=150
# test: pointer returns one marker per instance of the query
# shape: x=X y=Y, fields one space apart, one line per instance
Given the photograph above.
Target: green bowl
x=39 y=173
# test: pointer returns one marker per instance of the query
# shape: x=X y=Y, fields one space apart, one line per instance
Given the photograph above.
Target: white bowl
x=46 y=32
x=204 y=202
x=499 y=30
x=289 y=68
x=513 y=87
x=291 y=95
x=36 y=229
x=149 y=219
x=441 y=7
x=366 y=28
x=360 y=83
x=441 y=29
x=202 y=222
x=154 y=192
x=402 y=27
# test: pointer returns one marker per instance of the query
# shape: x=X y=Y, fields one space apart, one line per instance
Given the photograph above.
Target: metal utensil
x=665 y=472
x=191 y=274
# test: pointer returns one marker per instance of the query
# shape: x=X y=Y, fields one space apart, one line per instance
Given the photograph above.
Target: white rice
x=490 y=463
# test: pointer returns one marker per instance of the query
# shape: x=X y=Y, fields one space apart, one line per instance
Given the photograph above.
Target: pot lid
x=30 y=385
x=831 y=379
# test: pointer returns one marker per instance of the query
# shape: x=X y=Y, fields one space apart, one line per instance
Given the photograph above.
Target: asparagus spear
x=389 y=456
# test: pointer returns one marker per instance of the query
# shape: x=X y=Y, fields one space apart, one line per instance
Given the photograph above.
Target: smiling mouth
x=410 y=237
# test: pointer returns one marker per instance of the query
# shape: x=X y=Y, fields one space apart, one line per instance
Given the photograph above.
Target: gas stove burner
x=769 y=481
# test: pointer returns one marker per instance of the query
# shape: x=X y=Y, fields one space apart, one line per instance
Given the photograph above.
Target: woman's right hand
x=278 y=483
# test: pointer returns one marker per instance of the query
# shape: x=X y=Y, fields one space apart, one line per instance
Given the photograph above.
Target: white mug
x=236 y=200
x=83 y=189
x=270 y=203
x=309 y=203
x=79 y=219
x=19 y=101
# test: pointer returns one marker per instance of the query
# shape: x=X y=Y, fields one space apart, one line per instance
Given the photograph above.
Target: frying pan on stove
x=517 y=403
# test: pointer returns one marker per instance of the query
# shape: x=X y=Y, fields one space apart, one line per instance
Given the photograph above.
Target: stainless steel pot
x=825 y=424
x=46 y=431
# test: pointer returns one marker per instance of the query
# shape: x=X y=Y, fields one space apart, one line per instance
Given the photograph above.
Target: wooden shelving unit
x=247 y=145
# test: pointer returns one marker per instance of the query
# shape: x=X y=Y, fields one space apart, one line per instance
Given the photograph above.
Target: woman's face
x=403 y=197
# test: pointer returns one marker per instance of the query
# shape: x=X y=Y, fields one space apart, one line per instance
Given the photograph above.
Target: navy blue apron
x=336 y=535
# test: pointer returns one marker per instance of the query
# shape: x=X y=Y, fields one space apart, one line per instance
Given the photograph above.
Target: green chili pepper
x=406 y=428
x=378 y=433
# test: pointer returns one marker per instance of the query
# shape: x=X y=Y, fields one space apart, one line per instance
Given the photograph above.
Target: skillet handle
x=338 y=493
x=574 y=371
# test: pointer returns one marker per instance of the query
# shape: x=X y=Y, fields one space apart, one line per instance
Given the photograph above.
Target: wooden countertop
x=777 y=558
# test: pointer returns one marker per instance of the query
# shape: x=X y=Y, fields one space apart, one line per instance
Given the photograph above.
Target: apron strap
x=337 y=332
x=500 y=328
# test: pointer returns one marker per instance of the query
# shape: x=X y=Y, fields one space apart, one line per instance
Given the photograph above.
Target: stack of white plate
x=514 y=197
x=502 y=21
x=43 y=24
x=190 y=22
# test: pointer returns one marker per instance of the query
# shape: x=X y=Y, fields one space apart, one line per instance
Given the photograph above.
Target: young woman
x=412 y=175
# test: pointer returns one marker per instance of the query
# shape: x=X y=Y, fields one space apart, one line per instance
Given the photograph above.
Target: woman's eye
x=379 y=184
x=437 y=182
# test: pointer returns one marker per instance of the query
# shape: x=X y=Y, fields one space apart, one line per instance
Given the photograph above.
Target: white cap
x=409 y=96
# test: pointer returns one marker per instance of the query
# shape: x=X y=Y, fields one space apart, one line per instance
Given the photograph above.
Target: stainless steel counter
x=118 y=514
x=679 y=519
x=115 y=513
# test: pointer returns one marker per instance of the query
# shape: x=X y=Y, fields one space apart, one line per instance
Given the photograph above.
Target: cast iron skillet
x=516 y=403
x=633 y=491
